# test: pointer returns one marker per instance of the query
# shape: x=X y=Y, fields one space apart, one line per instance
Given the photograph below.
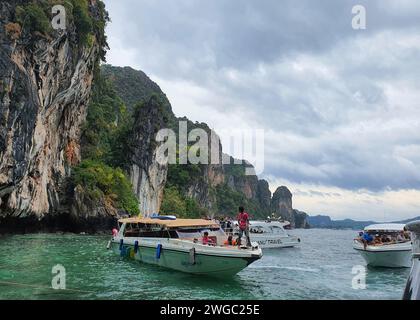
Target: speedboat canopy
x=178 y=223
x=387 y=227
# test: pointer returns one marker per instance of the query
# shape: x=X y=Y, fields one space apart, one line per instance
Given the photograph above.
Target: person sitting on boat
x=230 y=241
x=385 y=239
x=366 y=239
x=207 y=240
x=243 y=222
x=401 y=237
x=378 y=240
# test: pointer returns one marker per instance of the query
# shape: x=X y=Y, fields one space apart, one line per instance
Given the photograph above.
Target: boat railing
x=214 y=241
x=229 y=231
x=373 y=244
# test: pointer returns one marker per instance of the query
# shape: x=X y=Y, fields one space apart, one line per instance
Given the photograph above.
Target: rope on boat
x=35 y=286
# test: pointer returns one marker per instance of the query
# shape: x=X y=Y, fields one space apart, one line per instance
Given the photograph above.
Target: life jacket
x=233 y=243
x=242 y=220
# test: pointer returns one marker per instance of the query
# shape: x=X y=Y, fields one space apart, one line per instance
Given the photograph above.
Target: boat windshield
x=259 y=229
x=278 y=230
x=137 y=230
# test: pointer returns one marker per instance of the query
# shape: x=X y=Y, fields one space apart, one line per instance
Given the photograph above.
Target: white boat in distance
x=393 y=254
x=178 y=244
x=269 y=234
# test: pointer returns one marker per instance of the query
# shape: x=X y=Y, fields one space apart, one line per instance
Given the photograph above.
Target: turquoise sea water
x=321 y=268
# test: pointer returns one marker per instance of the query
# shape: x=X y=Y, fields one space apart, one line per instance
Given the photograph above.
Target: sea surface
x=321 y=268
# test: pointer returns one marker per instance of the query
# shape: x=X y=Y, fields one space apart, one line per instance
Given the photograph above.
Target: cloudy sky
x=340 y=107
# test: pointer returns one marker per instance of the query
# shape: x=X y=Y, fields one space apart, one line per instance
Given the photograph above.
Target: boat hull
x=275 y=242
x=412 y=289
x=184 y=260
x=271 y=235
x=384 y=257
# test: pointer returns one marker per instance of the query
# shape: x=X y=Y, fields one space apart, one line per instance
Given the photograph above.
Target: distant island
x=325 y=222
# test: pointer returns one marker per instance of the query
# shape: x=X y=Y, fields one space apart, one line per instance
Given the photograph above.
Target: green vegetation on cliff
x=184 y=207
x=133 y=86
x=228 y=201
x=180 y=176
x=99 y=180
x=33 y=18
x=107 y=127
x=89 y=22
x=105 y=139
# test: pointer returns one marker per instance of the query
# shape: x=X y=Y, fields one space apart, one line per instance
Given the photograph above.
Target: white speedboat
x=393 y=253
x=178 y=244
x=412 y=289
x=269 y=234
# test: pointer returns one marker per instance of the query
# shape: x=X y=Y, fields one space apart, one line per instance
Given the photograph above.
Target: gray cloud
x=341 y=107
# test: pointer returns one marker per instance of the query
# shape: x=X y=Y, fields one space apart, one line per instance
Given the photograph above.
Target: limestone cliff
x=264 y=196
x=282 y=205
x=201 y=186
x=45 y=83
x=151 y=112
x=46 y=79
x=211 y=189
x=147 y=175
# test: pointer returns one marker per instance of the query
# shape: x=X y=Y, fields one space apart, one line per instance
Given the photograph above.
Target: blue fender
x=158 y=251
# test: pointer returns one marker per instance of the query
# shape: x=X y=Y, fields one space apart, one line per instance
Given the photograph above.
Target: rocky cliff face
x=151 y=111
x=217 y=188
x=45 y=87
x=264 y=196
x=281 y=205
x=45 y=82
x=201 y=187
x=247 y=185
x=147 y=175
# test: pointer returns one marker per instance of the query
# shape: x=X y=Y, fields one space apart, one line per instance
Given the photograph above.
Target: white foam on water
x=284 y=267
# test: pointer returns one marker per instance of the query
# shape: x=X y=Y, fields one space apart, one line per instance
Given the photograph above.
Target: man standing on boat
x=243 y=223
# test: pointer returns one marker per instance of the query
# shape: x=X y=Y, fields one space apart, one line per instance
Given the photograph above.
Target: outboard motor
x=412 y=289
